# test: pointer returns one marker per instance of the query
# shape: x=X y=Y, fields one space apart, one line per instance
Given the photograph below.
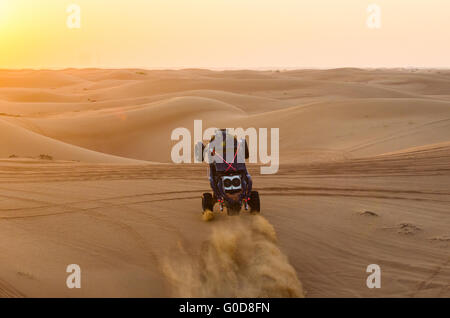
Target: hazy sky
x=224 y=34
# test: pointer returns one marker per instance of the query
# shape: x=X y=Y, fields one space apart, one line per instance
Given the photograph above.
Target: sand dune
x=139 y=132
x=364 y=179
x=37 y=79
x=17 y=141
x=367 y=112
x=354 y=127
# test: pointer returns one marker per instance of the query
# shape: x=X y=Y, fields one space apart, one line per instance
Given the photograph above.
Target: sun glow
x=3 y=9
x=222 y=34
x=5 y=13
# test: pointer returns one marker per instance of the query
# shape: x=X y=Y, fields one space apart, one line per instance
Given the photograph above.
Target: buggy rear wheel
x=207 y=202
x=254 y=202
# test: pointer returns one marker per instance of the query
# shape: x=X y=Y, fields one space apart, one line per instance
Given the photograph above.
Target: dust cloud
x=241 y=258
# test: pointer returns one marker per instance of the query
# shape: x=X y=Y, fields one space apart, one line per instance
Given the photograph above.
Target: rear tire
x=207 y=202
x=254 y=202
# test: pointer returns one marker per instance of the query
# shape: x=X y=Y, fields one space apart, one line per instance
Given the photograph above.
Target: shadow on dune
x=241 y=258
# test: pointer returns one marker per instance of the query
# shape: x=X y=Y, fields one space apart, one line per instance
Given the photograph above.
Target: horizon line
x=262 y=68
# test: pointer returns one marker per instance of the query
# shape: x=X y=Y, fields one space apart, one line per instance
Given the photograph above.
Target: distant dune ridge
x=86 y=178
x=337 y=113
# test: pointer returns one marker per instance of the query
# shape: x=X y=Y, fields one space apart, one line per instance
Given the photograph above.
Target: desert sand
x=86 y=178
